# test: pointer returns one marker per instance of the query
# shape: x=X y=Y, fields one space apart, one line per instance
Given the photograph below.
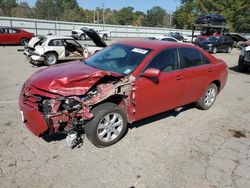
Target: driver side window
x=166 y=61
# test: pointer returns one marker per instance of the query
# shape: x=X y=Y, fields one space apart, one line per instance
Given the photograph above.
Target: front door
x=155 y=95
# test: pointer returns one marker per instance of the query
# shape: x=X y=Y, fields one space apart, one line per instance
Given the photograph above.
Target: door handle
x=179 y=77
x=209 y=70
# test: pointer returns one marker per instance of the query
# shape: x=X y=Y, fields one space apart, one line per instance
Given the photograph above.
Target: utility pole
x=96 y=17
x=170 y=20
x=103 y=13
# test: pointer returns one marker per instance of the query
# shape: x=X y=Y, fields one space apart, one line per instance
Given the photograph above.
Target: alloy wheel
x=110 y=127
x=210 y=97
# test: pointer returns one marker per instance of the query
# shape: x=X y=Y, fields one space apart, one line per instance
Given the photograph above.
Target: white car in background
x=188 y=38
x=50 y=49
x=79 y=34
x=163 y=38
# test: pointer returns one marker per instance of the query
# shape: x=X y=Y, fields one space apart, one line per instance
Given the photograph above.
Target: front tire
x=51 y=58
x=208 y=98
x=108 y=126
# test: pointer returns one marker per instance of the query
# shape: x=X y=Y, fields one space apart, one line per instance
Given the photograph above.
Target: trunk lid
x=94 y=36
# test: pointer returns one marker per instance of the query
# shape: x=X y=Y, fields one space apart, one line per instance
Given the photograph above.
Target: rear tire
x=241 y=66
x=105 y=37
x=214 y=50
x=51 y=58
x=208 y=98
x=24 y=41
x=108 y=126
x=229 y=49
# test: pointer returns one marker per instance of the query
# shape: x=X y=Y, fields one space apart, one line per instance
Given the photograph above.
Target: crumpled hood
x=73 y=78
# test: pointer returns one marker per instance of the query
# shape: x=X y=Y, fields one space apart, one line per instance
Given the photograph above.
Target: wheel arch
x=217 y=83
x=51 y=51
x=23 y=37
x=120 y=101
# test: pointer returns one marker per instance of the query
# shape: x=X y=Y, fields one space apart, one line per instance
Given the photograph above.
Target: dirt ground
x=190 y=148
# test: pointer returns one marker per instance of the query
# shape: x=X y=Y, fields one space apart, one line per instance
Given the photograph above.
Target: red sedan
x=11 y=35
x=122 y=83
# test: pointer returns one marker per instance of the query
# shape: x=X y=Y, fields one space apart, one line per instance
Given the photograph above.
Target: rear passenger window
x=12 y=31
x=55 y=42
x=191 y=57
x=166 y=61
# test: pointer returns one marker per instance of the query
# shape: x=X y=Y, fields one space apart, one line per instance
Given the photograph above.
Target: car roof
x=168 y=37
x=162 y=37
x=154 y=44
x=7 y=27
x=50 y=37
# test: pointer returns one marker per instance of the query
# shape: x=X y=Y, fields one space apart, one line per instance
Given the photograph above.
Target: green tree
x=124 y=16
x=22 y=10
x=155 y=17
x=139 y=18
x=6 y=7
x=184 y=16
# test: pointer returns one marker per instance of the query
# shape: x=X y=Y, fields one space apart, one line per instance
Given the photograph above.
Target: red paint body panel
x=148 y=96
x=14 y=38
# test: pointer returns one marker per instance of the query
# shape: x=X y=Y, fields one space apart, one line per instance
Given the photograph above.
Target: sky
x=141 y=5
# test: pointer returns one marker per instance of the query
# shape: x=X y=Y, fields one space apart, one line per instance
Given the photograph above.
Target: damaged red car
x=123 y=83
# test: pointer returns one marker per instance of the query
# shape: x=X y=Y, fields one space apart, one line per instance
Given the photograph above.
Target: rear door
x=13 y=36
x=195 y=71
x=58 y=46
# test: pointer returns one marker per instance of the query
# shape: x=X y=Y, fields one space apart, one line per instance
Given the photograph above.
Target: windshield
x=118 y=58
x=212 y=39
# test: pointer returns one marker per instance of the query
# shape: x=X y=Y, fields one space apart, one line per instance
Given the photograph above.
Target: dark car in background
x=211 y=19
x=214 y=44
x=176 y=35
x=11 y=35
x=244 y=58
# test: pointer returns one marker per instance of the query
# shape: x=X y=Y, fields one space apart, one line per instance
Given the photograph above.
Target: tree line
x=69 y=10
x=235 y=11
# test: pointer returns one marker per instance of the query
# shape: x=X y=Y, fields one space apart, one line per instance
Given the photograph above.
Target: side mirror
x=152 y=73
